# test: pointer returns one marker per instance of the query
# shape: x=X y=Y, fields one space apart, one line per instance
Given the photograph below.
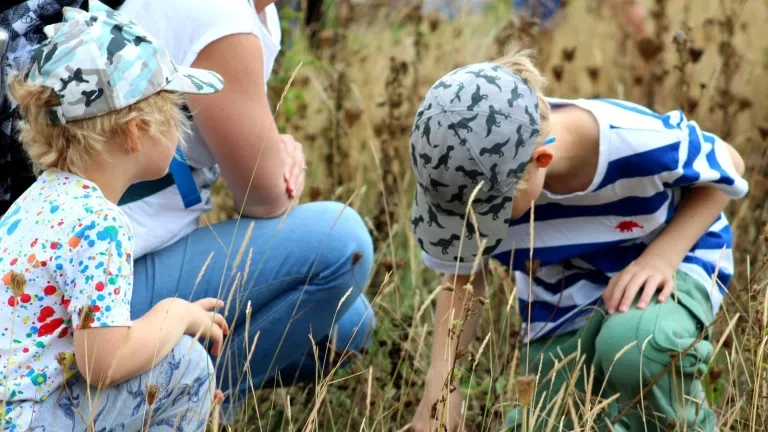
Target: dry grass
x=355 y=127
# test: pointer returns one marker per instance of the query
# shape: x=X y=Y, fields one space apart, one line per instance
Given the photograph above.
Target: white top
x=73 y=247
x=185 y=27
x=581 y=240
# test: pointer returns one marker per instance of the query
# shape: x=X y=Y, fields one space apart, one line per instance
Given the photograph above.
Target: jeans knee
x=350 y=246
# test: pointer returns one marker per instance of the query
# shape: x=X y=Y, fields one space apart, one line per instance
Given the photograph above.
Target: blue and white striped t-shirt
x=583 y=239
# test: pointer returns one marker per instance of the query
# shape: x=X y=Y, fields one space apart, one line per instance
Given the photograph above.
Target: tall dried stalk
x=390 y=132
x=730 y=64
x=337 y=157
x=651 y=49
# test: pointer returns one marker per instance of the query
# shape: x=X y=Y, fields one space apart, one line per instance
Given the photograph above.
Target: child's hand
x=648 y=273
x=209 y=325
x=218 y=397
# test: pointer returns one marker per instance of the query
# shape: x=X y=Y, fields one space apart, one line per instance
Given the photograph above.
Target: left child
x=101 y=110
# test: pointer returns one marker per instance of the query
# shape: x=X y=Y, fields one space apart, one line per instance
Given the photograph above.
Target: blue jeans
x=292 y=271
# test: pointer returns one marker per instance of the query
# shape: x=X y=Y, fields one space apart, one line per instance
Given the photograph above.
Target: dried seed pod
x=743 y=104
x=695 y=54
x=557 y=72
x=352 y=115
x=594 y=73
x=378 y=130
x=433 y=22
x=691 y=103
x=763 y=131
x=649 y=48
x=569 y=53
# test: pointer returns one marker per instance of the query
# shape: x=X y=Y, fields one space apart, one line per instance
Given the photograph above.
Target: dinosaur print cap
x=101 y=61
x=478 y=123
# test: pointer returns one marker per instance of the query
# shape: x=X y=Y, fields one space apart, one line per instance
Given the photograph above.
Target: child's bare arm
x=656 y=266
x=450 y=308
x=109 y=355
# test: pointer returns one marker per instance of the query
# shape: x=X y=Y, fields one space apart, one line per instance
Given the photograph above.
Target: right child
x=611 y=217
x=100 y=110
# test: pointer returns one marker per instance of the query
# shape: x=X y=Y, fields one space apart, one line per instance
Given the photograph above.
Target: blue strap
x=185 y=182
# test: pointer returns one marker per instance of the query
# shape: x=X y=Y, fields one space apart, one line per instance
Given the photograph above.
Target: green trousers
x=660 y=345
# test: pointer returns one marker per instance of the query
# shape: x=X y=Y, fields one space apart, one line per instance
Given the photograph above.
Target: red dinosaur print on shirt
x=627 y=226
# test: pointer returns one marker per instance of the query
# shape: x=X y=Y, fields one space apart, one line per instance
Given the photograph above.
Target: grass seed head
x=152 y=391
x=18 y=283
x=526 y=389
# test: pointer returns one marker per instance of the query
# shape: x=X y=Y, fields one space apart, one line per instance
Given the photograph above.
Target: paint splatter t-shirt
x=65 y=263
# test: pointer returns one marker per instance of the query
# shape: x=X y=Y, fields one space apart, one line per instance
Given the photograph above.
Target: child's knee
x=637 y=346
x=194 y=356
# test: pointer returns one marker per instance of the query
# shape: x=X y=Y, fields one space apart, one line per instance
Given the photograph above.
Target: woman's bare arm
x=239 y=129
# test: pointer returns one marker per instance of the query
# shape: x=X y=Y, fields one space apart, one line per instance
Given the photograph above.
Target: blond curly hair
x=521 y=62
x=73 y=146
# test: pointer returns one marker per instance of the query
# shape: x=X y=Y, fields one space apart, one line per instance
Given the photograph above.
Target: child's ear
x=131 y=134
x=542 y=156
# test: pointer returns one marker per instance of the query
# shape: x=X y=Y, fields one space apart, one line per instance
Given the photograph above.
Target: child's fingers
x=630 y=292
x=619 y=287
x=221 y=322
x=669 y=286
x=218 y=397
x=209 y=303
x=651 y=286
x=608 y=293
x=217 y=337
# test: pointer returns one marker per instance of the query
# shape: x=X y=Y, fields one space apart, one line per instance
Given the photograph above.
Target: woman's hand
x=295 y=166
x=648 y=272
x=209 y=325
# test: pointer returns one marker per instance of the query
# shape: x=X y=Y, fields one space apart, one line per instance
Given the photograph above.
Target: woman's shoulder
x=178 y=13
x=184 y=25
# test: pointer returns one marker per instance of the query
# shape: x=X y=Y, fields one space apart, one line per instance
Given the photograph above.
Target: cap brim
x=195 y=81
x=443 y=234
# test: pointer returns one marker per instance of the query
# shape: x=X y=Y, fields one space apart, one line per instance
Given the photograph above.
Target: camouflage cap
x=477 y=124
x=101 y=61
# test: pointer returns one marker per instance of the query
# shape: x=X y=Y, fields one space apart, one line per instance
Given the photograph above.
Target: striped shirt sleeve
x=704 y=159
x=667 y=146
